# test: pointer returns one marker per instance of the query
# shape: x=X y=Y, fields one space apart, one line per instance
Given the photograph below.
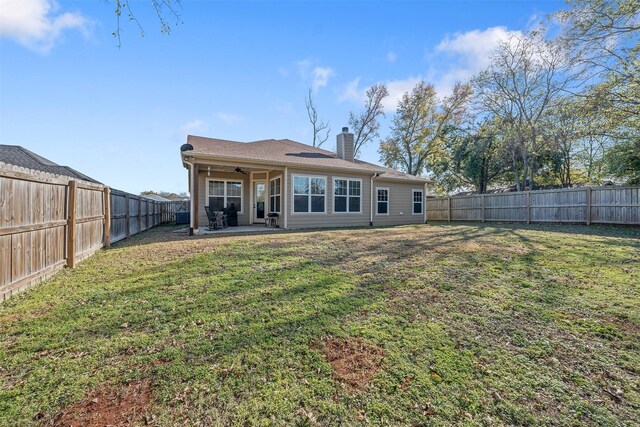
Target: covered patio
x=254 y=189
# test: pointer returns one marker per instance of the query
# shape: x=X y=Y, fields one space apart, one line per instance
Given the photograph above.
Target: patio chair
x=216 y=219
x=271 y=220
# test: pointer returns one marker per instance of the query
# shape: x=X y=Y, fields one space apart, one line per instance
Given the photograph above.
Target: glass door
x=260 y=201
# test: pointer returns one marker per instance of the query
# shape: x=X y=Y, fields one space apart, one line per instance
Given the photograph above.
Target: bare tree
x=164 y=10
x=365 y=125
x=605 y=36
x=562 y=129
x=526 y=77
x=419 y=126
x=321 y=129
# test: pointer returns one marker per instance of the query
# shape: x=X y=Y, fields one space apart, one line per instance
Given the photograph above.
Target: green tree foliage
x=605 y=37
x=420 y=125
x=474 y=158
x=526 y=77
x=624 y=160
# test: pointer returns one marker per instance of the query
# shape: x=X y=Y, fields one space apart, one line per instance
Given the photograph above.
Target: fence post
x=139 y=214
x=528 y=207
x=107 y=217
x=588 y=205
x=71 y=224
x=127 y=215
x=449 y=209
x=483 y=205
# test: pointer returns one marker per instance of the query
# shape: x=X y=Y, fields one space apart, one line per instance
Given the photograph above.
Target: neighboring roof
x=156 y=197
x=287 y=152
x=20 y=156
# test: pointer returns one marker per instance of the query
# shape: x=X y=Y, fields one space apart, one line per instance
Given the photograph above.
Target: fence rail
x=49 y=221
x=589 y=205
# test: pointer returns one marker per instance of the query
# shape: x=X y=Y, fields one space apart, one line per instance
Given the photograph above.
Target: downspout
x=192 y=202
x=286 y=200
x=371 y=202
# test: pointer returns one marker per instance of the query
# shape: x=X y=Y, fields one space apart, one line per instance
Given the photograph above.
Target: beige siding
x=400 y=201
x=243 y=218
x=400 y=204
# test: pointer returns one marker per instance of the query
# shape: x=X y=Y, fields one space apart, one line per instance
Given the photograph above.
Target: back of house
x=303 y=186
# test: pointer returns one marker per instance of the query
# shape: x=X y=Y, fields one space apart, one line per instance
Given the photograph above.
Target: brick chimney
x=344 y=145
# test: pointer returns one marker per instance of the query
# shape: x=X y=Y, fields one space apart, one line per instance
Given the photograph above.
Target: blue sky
x=233 y=70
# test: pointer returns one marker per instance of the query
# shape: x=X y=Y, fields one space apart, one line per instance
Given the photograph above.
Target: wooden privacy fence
x=131 y=214
x=49 y=221
x=170 y=209
x=601 y=205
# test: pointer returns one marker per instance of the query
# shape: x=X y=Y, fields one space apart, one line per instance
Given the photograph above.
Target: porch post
x=191 y=203
x=285 y=204
x=251 y=202
x=195 y=196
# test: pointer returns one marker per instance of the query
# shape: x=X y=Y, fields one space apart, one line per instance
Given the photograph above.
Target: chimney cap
x=345 y=129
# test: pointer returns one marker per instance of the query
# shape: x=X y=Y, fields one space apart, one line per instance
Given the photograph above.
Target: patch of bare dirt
x=624 y=324
x=354 y=361
x=109 y=406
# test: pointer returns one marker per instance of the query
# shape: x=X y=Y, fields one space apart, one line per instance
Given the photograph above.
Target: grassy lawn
x=417 y=325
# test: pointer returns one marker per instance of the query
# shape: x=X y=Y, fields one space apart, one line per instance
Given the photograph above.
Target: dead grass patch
x=108 y=406
x=354 y=361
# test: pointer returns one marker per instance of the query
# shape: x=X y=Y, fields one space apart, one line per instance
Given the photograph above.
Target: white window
x=274 y=195
x=222 y=193
x=309 y=194
x=417 y=202
x=347 y=195
x=382 y=201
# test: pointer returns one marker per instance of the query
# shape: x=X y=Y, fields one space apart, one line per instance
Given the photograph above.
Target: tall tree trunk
x=516 y=175
x=532 y=173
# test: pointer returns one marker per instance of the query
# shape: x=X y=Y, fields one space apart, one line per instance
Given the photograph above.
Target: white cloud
x=462 y=56
x=352 y=92
x=37 y=24
x=357 y=95
x=396 y=89
x=318 y=75
x=321 y=77
x=228 y=118
x=391 y=57
x=469 y=53
x=193 y=127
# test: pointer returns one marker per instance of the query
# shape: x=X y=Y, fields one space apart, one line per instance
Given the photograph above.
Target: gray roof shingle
x=20 y=156
x=286 y=151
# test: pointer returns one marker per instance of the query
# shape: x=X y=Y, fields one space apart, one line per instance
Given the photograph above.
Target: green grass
x=480 y=325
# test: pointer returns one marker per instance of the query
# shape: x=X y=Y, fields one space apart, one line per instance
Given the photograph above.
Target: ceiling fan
x=240 y=170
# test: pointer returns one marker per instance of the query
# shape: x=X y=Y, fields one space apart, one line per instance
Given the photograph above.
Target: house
x=20 y=156
x=307 y=187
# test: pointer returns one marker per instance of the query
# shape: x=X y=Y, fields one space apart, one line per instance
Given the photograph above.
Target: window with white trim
x=382 y=201
x=347 y=195
x=309 y=194
x=418 y=200
x=222 y=193
x=274 y=195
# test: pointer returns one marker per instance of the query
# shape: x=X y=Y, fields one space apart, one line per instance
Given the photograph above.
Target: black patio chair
x=216 y=219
